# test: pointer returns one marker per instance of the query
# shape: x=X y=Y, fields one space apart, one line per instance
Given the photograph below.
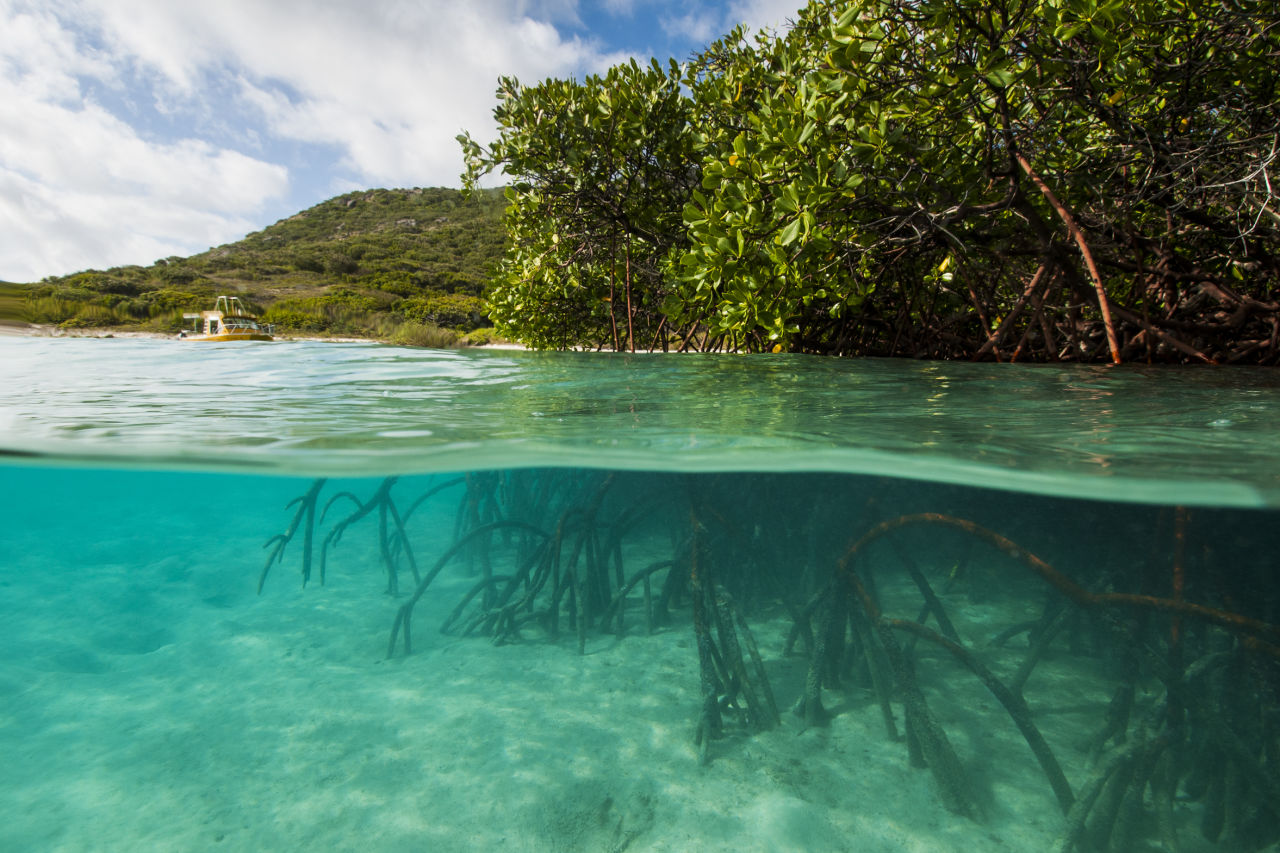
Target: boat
x=228 y=321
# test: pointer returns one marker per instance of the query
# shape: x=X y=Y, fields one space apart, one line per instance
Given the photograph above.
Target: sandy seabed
x=150 y=700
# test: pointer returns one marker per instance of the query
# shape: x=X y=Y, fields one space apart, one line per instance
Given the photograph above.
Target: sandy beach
x=35 y=330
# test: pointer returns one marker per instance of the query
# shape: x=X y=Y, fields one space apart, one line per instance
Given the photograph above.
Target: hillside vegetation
x=407 y=264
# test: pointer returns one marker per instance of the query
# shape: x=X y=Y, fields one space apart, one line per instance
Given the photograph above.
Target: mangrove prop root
x=1261 y=777
x=563 y=580
x=616 y=607
x=1121 y=762
x=499 y=620
x=931 y=602
x=430 y=493
x=1012 y=702
x=384 y=550
x=1012 y=631
x=402 y=538
x=1254 y=635
x=1126 y=828
x=583 y=600
x=386 y=507
x=932 y=741
x=809 y=708
x=481 y=586
x=750 y=682
x=800 y=623
x=1077 y=235
x=1042 y=640
x=304 y=517
x=334 y=536
x=405 y=614
x=1106 y=809
x=709 y=722
x=749 y=640
x=1119 y=709
x=1263 y=634
x=737 y=679
x=1164 y=784
x=880 y=681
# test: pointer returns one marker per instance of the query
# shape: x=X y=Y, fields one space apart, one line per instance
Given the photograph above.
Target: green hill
x=391 y=264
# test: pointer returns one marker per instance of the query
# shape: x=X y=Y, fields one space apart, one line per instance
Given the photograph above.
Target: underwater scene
x=351 y=597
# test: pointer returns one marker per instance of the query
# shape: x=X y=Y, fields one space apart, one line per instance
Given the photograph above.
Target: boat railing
x=229 y=305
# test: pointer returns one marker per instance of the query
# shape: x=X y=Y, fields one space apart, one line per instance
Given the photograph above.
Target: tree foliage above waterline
x=1089 y=180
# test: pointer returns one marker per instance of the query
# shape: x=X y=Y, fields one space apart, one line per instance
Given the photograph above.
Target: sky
x=134 y=130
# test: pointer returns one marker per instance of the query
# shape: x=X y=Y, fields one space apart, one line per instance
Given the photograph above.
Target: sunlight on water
x=1185 y=435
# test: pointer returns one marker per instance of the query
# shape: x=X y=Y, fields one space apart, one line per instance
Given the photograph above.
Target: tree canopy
x=1022 y=179
x=602 y=170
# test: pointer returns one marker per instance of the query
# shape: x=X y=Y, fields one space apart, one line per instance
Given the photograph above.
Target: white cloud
x=704 y=27
x=79 y=186
x=621 y=8
x=705 y=22
x=54 y=230
x=94 y=152
x=135 y=129
x=40 y=56
x=390 y=84
x=765 y=14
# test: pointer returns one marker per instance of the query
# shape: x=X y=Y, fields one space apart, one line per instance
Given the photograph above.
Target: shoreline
x=38 y=330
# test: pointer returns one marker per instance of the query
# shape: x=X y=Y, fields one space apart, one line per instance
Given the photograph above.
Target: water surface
x=1202 y=436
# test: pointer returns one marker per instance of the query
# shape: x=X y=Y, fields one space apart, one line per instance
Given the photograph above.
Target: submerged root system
x=594 y=553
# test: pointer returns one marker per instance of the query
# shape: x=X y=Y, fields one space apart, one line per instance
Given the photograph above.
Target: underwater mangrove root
x=429 y=494
x=617 y=608
x=1116 y=779
x=932 y=606
x=502 y=618
x=1194 y=750
x=1009 y=698
x=1210 y=709
x=1049 y=628
x=1262 y=636
x=567 y=545
x=709 y=725
x=388 y=543
x=589 y=581
x=1212 y=703
x=830 y=613
x=305 y=517
x=751 y=684
x=404 y=615
x=927 y=742
x=480 y=505
x=485 y=587
x=724 y=676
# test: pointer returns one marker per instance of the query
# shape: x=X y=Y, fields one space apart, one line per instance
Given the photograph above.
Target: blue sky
x=132 y=130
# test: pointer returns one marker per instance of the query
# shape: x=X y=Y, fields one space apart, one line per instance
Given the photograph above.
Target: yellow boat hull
x=230 y=336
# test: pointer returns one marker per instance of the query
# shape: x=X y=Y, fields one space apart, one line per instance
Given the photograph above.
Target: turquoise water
x=1203 y=437
x=602 y=539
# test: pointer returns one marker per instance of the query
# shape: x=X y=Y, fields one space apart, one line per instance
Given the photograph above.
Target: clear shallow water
x=1189 y=436
x=152 y=696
